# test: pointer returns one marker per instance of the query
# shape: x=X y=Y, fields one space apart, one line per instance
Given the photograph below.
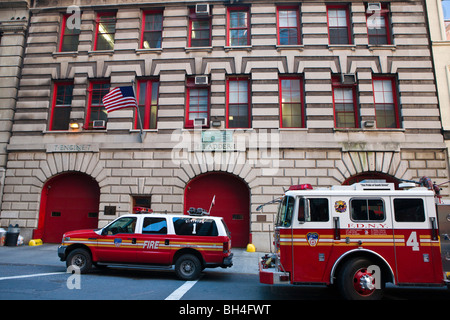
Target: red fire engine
x=359 y=238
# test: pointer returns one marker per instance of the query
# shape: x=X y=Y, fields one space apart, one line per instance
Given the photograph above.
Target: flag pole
x=212 y=203
x=138 y=113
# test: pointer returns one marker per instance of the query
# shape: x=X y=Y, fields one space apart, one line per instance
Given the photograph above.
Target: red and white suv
x=191 y=243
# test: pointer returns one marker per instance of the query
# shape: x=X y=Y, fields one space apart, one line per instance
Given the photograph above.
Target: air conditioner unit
x=201 y=80
x=348 y=78
x=200 y=122
x=373 y=6
x=202 y=9
x=99 y=124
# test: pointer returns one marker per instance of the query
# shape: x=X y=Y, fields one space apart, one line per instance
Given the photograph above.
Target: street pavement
x=36 y=273
x=46 y=254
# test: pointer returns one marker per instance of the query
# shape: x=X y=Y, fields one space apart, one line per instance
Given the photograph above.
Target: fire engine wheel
x=355 y=282
x=188 y=267
x=79 y=258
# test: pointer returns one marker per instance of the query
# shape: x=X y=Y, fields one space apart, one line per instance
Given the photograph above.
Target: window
x=318 y=210
x=288 y=26
x=197 y=104
x=285 y=211
x=238 y=103
x=344 y=102
x=61 y=106
x=96 y=110
x=122 y=225
x=199 y=30
x=238 y=27
x=154 y=226
x=69 y=36
x=195 y=227
x=367 y=210
x=142 y=204
x=378 y=26
x=105 y=32
x=386 y=110
x=152 y=30
x=291 y=103
x=338 y=25
x=409 y=210
x=147 y=92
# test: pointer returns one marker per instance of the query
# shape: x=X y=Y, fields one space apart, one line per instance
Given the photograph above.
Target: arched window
x=372 y=176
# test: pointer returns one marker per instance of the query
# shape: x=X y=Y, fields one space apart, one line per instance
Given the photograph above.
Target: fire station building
x=237 y=100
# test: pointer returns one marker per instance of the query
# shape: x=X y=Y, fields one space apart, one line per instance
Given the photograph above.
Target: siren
x=305 y=186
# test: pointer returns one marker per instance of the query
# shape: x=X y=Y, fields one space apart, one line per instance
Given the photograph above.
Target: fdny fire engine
x=358 y=238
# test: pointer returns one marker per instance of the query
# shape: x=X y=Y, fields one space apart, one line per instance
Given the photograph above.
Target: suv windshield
x=122 y=225
x=285 y=210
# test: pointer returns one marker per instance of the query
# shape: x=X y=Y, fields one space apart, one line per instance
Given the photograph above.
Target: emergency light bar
x=305 y=186
x=197 y=212
x=142 y=210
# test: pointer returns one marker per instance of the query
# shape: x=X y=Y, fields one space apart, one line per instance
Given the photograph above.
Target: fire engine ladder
x=277 y=200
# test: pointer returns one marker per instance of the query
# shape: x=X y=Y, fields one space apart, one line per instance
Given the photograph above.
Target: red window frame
x=230 y=29
x=391 y=80
x=97 y=27
x=146 y=99
x=228 y=103
x=385 y=14
x=297 y=27
x=289 y=95
x=64 y=34
x=194 y=17
x=190 y=100
x=348 y=26
x=55 y=106
x=337 y=84
x=144 y=31
x=90 y=106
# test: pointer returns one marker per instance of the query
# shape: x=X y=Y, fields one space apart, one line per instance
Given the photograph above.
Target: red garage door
x=232 y=202
x=69 y=202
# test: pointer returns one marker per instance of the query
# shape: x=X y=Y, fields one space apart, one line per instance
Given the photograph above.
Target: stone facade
x=268 y=158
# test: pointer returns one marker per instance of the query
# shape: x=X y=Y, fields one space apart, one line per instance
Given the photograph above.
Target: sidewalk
x=46 y=254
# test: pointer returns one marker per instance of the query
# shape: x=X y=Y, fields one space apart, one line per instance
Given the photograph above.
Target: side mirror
x=303 y=210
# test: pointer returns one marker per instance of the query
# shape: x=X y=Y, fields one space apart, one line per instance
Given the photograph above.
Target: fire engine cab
x=190 y=242
x=357 y=237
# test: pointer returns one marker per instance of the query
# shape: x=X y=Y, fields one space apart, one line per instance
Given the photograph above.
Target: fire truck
x=358 y=238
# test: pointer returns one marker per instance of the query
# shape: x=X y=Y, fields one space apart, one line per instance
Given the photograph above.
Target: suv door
x=118 y=241
x=153 y=242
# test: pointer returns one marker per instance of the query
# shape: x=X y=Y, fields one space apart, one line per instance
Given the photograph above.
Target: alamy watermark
x=73 y=281
x=225 y=148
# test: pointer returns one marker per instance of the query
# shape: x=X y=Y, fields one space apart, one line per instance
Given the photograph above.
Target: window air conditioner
x=200 y=122
x=99 y=124
x=374 y=6
x=201 y=80
x=202 y=9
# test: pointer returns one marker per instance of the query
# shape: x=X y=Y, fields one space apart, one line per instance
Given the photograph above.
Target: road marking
x=179 y=293
x=31 y=275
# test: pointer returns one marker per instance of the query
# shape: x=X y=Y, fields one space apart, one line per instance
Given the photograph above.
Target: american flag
x=119 y=98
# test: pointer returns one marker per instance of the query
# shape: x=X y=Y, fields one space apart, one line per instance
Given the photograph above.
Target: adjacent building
x=439 y=21
x=237 y=100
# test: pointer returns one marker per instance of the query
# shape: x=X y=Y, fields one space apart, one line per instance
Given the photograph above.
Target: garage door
x=69 y=202
x=232 y=202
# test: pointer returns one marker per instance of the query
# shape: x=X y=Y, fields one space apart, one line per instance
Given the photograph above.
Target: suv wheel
x=188 y=267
